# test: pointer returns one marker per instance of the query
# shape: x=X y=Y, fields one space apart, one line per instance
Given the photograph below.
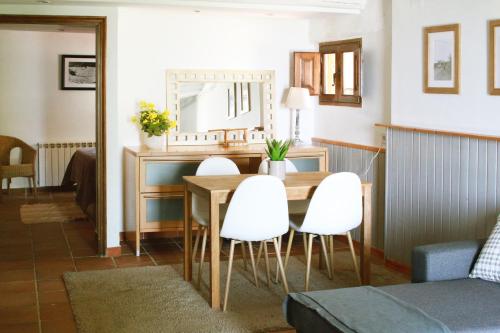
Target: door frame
x=99 y=23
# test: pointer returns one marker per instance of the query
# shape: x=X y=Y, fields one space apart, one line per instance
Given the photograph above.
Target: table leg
x=366 y=235
x=188 y=238
x=214 y=253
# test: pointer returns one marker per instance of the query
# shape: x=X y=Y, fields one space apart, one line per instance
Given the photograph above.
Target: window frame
x=338 y=48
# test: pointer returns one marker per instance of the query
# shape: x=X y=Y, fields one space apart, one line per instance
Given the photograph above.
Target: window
x=341 y=73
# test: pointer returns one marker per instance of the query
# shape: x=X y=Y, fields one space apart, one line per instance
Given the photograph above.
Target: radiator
x=52 y=160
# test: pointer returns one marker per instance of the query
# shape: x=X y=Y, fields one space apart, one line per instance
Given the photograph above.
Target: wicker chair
x=25 y=169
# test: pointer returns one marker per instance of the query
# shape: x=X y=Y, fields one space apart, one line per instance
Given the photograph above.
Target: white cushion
x=487 y=266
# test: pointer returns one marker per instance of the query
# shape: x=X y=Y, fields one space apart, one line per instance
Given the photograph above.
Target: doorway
x=98 y=24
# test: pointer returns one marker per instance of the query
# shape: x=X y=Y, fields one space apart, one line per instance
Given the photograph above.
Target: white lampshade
x=298 y=98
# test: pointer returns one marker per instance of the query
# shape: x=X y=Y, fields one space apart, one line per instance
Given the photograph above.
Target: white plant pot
x=154 y=142
x=277 y=169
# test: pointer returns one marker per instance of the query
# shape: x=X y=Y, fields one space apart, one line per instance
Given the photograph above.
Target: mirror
x=206 y=106
x=204 y=102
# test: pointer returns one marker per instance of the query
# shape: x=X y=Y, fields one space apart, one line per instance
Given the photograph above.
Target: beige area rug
x=51 y=212
x=157 y=299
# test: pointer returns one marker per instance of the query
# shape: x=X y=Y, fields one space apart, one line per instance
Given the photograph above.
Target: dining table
x=218 y=190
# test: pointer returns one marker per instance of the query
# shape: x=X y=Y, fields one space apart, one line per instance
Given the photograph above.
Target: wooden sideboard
x=154 y=189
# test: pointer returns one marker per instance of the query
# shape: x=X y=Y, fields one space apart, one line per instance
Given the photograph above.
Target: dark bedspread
x=81 y=171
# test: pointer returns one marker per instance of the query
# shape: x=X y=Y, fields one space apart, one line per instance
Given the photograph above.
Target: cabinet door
x=161 y=212
x=165 y=175
x=307 y=164
x=308 y=71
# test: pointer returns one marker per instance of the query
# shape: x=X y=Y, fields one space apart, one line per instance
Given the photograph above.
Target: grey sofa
x=440 y=289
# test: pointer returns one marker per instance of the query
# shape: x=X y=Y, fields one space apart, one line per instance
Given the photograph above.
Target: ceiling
x=270 y=6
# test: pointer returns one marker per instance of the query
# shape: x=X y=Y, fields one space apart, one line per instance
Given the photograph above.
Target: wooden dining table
x=218 y=190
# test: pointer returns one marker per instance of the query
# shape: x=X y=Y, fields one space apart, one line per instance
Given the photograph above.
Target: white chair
x=335 y=209
x=294 y=207
x=258 y=211
x=213 y=166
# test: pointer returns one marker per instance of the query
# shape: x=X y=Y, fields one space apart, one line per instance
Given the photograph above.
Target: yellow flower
x=173 y=124
x=143 y=104
x=151 y=106
x=134 y=119
x=166 y=112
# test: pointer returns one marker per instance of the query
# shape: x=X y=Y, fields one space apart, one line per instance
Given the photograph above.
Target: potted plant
x=154 y=124
x=276 y=151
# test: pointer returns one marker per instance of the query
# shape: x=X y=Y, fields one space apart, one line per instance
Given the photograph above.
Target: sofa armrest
x=445 y=261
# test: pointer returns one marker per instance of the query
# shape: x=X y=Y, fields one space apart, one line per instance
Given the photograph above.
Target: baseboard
x=379 y=253
x=114 y=251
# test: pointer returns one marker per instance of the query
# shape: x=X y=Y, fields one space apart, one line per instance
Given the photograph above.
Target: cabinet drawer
x=161 y=212
x=307 y=164
x=165 y=176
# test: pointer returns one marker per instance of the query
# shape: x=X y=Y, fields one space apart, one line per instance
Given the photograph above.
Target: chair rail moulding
x=175 y=77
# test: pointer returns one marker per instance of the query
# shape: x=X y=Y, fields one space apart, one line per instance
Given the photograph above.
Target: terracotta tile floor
x=33 y=258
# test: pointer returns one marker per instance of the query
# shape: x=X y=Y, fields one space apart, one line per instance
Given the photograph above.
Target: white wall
x=473 y=110
x=356 y=125
x=153 y=40
x=32 y=105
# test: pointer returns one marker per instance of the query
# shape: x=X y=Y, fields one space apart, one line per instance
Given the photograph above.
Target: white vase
x=154 y=142
x=277 y=169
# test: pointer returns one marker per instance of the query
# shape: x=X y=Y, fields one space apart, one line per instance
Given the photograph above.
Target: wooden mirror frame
x=177 y=76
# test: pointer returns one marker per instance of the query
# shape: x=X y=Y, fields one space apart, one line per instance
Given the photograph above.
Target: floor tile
x=133 y=261
x=51 y=285
x=18 y=314
x=25 y=327
x=17 y=275
x=58 y=326
x=88 y=264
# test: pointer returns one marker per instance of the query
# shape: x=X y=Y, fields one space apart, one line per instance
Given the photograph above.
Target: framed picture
x=442 y=59
x=494 y=58
x=78 y=72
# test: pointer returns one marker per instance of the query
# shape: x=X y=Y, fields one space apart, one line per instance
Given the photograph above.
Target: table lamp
x=298 y=99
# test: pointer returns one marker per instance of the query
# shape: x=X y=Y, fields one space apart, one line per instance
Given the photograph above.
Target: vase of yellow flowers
x=154 y=124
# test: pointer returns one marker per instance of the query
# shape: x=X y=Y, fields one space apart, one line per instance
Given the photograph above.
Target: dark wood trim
x=379 y=253
x=440 y=132
x=113 y=251
x=492 y=25
x=349 y=145
x=100 y=24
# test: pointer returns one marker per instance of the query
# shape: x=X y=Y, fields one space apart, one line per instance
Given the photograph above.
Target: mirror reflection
x=208 y=106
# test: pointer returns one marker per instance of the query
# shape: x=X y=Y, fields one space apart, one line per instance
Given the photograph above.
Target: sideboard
x=154 y=189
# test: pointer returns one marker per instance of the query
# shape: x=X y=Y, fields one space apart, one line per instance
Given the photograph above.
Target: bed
x=81 y=175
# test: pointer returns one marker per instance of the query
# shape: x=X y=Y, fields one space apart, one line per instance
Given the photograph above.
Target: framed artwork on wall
x=442 y=59
x=78 y=72
x=494 y=58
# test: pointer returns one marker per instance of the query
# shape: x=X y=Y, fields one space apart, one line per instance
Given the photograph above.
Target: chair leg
x=308 y=261
x=277 y=266
x=304 y=239
x=323 y=247
x=35 y=192
x=259 y=253
x=266 y=257
x=280 y=265
x=353 y=254
x=288 y=248
x=202 y=255
x=243 y=253
x=196 y=241
x=9 y=180
x=229 y=267
x=252 y=261
x=331 y=254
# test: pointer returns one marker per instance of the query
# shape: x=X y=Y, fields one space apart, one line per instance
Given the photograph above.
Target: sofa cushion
x=468 y=305
x=487 y=266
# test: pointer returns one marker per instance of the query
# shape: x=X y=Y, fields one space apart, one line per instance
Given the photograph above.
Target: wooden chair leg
x=288 y=249
x=331 y=254
x=353 y=254
x=280 y=265
x=277 y=268
x=308 y=261
x=266 y=257
x=244 y=255
x=35 y=192
x=229 y=268
x=250 y=250
x=196 y=241
x=9 y=181
x=259 y=253
x=202 y=255
x=323 y=247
